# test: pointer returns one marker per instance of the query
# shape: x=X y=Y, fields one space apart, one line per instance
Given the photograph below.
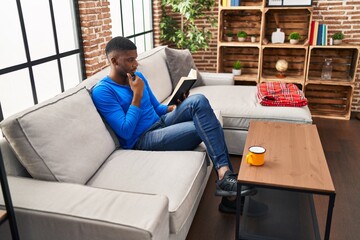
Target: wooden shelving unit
x=288 y=19
x=248 y=55
x=330 y=98
x=296 y=56
x=249 y=18
x=344 y=62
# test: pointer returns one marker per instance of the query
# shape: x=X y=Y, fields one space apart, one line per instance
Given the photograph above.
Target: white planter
x=229 y=39
x=241 y=39
x=337 y=41
x=253 y=39
x=236 y=72
x=294 y=41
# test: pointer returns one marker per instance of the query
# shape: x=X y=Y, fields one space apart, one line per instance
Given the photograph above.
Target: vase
x=253 y=39
x=326 y=69
x=241 y=39
x=294 y=41
x=236 y=72
x=278 y=36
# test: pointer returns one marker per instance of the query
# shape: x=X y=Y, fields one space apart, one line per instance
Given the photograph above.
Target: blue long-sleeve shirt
x=113 y=101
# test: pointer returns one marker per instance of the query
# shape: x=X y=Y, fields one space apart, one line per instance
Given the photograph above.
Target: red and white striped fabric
x=280 y=94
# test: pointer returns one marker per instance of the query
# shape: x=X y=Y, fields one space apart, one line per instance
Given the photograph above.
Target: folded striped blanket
x=280 y=94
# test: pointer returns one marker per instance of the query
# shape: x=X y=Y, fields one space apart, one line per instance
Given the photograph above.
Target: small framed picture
x=287 y=3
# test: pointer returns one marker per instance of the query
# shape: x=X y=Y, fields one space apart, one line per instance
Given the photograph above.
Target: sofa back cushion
x=180 y=62
x=63 y=139
x=152 y=64
x=12 y=165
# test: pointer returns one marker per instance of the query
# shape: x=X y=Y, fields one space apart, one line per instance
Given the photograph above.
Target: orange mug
x=256 y=156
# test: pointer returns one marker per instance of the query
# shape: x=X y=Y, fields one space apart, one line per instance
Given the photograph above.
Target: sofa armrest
x=210 y=78
x=53 y=210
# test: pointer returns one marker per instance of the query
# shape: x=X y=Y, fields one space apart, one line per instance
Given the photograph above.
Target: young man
x=125 y=100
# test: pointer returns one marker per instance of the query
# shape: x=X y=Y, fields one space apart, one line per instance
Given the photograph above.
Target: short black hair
x=119 y=44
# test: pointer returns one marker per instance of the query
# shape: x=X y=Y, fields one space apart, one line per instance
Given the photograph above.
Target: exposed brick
x=96 y=32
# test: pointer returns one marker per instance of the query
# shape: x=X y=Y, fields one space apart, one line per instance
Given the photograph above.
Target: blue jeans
x=192 y=122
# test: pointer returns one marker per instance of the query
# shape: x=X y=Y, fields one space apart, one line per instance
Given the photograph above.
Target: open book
x=183 y=86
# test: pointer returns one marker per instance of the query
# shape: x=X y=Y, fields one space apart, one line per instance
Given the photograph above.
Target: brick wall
x=156 y=21
x=96 y=29
x=204 y=60
x=96 y=32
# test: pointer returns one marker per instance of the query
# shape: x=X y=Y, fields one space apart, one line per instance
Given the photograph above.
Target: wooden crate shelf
x=249 y=57
x=288 y=20
x=344 y=62
x=329 y=101
x=296 y=58
x=327 y=98
x=236 y=20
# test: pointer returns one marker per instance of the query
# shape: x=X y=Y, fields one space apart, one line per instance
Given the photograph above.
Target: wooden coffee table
x=294 y=161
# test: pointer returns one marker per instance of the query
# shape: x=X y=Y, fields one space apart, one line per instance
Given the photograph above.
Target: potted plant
x=237 y=68
x=337 y=38
x=253 y=38
x=294 y=37
x=241 y=36
x=184 y=32
x=229 y=36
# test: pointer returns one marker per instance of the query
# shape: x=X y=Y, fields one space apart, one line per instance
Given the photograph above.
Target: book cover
x=320 y=35
x=316 y=29
x=311 y=32
x=324 y=39
x=183 y=86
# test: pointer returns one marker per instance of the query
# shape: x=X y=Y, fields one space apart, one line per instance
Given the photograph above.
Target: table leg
x=238 y=211
x=329 y=216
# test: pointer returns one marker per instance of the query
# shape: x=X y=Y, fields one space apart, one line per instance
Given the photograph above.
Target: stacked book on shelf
x=230 y=3
x=318 y=34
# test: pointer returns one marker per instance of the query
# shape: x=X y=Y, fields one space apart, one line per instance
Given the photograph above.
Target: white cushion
x=57 y=211
x=239 y=105
x=152 y=64
x=178 y=175
x=63 y=139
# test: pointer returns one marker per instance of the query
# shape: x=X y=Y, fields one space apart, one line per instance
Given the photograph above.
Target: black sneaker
x=227 y=186
x=253 y=208
x=229 y=206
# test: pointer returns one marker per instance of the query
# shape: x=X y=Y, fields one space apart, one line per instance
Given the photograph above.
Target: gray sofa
x=69 y=179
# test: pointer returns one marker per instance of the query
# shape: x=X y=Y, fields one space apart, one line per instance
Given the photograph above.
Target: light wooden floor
x=341 y=144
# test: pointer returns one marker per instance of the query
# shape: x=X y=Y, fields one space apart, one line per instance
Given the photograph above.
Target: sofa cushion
x=152 y=64
x=63 y=139
x=179 y=176
x=239 y=105
x=179 y=63
x=58 y=211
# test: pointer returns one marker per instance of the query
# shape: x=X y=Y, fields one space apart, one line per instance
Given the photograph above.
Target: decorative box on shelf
x=289 y=3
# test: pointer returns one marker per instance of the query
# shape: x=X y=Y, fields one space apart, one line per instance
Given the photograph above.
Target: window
x=40 y=51
x=133 y=19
